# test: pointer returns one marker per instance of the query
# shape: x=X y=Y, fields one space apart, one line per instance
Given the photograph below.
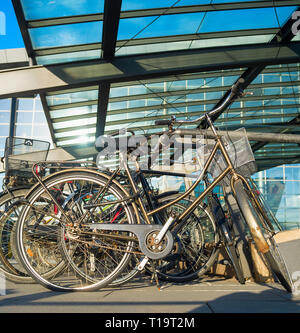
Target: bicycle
x=19 y=156
x=169 y=269
x=134 y=232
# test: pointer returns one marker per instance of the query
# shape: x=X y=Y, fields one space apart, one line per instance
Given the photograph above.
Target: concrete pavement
x=206 y=296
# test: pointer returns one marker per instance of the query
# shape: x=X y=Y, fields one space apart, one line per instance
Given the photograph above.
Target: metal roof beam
x=192 y=76
x=37 y=79
x=111 y=19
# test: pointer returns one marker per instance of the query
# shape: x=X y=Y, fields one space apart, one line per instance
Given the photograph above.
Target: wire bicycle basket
x=19 y=156
x=240 y=154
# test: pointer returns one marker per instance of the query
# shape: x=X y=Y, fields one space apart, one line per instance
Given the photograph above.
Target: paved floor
x=210 y=295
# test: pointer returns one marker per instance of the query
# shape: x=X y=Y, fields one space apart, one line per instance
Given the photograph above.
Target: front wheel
x=261 y=233
x=90 y=259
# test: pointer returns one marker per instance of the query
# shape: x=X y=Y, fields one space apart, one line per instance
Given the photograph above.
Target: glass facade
x=30 y=122
x=281 y=189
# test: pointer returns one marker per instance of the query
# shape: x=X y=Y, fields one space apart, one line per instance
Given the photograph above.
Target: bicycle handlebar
x=236 y=90
x=163 y=122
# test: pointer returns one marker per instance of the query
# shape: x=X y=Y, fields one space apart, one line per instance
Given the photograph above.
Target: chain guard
x=142 y=232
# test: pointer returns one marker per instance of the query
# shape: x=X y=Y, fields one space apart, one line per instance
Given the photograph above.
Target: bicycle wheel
x=14 y=270
x=8 y=263
x=195 y=248
x=8 y=197
x=262 y=234
x=235 y=261
x=113 y=213
x=226 y=235
x=91 y=259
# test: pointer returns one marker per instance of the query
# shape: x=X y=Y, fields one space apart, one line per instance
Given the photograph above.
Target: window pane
x=68 y=57
x=25 y=104
x=5 y=104
x=24 y=117
x=39 y=9
x=79 y=96
x=4 y=117
x=4 y=130
x=23 y=131
x=66 y=35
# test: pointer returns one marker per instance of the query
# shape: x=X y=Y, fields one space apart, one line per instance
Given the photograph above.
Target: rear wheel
x=226 y=235
x=235 y=261
x=262 y=233
x=195 y=248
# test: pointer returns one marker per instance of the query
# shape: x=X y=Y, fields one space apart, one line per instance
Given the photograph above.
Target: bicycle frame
x=230 y=169
x=179 y=220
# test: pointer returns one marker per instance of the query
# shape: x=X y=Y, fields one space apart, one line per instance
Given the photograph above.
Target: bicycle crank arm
x=146 y=234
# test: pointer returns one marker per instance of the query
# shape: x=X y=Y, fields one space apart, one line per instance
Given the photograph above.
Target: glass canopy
x=62 y=31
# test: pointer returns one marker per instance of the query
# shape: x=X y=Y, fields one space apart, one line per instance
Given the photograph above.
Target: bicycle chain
x=93 y=243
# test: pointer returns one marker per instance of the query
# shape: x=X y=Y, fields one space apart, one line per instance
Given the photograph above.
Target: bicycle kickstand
x=155 y=277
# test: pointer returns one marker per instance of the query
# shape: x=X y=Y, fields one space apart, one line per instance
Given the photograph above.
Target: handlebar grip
x=163 y=122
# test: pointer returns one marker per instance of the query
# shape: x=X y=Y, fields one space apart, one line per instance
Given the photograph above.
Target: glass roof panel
x=74 y=97
x=68 y=57
x=164 y=26
x=73 y=123
x=246 y=19
x=190 y=44
x=42 y=9
x=178 y=24
x=147 y=4
x=73 y=111
x=81 y=139
x=172 y=86
x=66 y=35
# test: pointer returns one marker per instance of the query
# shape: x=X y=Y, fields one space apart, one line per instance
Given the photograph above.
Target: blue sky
x=10 y=36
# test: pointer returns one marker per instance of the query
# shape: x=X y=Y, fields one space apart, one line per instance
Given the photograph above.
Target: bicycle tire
x=69 y=280
x=226 y=236
x=7 y=199
x=235 y=261
x=18 y=274
x=266 y=245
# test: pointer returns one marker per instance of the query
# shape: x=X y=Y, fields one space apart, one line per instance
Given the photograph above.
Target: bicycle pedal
x=143 y=263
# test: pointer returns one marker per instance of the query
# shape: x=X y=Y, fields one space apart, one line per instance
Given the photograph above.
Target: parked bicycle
x=106 y=223
x=19 y=156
